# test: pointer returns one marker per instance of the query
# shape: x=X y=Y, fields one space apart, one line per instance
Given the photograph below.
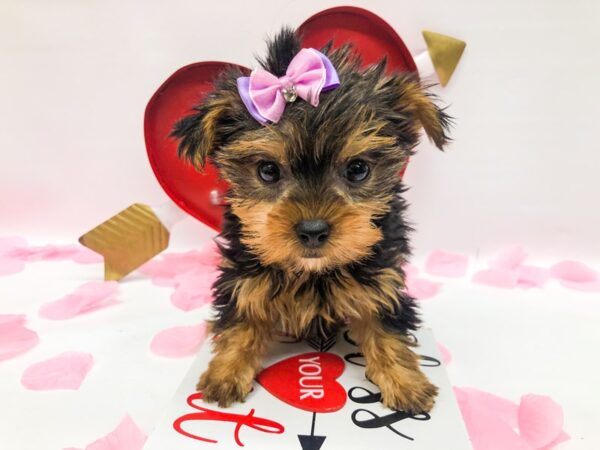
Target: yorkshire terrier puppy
x=313 y=227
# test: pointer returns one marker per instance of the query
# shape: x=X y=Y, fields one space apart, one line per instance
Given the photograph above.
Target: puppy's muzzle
x=312 y=233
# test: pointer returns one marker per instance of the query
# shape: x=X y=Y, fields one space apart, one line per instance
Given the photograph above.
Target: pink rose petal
x=508 y=271
x=127 y=436
x=86 y=256
x=15 y=339
x=421 y=288
x=12 y=319
x=57 y=252
x=86 y=298
x=574 y=271
x=21 y=253
x=562 y=437
x=531 y=276
x=488 y=432
x=10 y=266
x=47 y=252
x=444 y=353
x=506 y=410
x=176 y=264
x=491 y=433
x=497 y=278
x=9 y=243
x=178 y=342
x=410 y=270
x=593 y=286
x=188 y=302
x=540 y=420
x=490 y=420
x=192 y=274
x=210 y=254
x=194 y=289
x=508 y=259
x=445 y=264
x=170 y=265
x=64 y=371
x=17 y=248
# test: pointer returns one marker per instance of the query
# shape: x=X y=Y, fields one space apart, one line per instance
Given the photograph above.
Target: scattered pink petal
x=210 y=254
x=505 y=409
x=178 y=342
x=127 y=436
x=15 y=339
x=574 y=271
x=490 y=420
x=87 y=256
x=410 y=270
x=508 y=271
x=445 y=264
x=497 y=278
x=508 y=259
x=444 y=353
x=10 y=266
x=17 y=248
x=194 y=289
x=531 y=276
x=9 y=243
x=86 y=298
x=540 y=420
x=562 y=437
x=12 y=319
x=495 y=423
x=192 y=274
x=171 y=265
x=189 y=302
x=47 y=252
x=421 y=288
x=56 y=252
x=593 y=286
x=64 y=371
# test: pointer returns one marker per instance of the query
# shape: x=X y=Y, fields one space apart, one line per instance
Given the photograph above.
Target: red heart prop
x=198 y=193
x=307 y=381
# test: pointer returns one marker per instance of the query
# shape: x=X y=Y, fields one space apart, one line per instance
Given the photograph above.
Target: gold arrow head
x=445 y=53
x=127 y=240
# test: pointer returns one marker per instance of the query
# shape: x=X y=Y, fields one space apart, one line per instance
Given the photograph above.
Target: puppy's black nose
x=312 y=233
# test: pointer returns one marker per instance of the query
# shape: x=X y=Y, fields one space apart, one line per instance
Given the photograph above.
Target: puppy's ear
x=416 y=102
x=205 y=130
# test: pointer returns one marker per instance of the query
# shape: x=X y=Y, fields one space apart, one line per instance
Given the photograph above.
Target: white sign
x=285 y=409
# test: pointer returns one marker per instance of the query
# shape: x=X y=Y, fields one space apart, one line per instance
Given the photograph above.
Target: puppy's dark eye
x=269 y=172
x=356 y=171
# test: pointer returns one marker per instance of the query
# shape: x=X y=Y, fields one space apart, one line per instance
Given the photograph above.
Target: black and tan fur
x=268 y=279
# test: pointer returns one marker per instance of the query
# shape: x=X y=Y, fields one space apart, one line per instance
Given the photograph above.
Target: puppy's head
x=309 y=190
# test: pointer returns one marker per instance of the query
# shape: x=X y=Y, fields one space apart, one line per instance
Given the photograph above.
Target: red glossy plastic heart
x=198 y=194
x=307 y=381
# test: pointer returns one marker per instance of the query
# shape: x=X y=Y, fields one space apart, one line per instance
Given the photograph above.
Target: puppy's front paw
x=224 y=390
x=406 y=390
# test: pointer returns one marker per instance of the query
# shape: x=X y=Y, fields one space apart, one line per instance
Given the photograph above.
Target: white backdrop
x=75 y=78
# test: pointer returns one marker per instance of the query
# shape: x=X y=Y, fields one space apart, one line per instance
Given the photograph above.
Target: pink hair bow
x=310 y=72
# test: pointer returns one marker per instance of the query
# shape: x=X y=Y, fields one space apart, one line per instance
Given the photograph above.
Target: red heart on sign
x=307 y=381
x=199 y=194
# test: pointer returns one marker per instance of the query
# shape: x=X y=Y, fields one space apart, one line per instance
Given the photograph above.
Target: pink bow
x=309 y=73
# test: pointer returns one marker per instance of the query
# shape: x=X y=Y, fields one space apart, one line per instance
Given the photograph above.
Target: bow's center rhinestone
x=289 y=94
